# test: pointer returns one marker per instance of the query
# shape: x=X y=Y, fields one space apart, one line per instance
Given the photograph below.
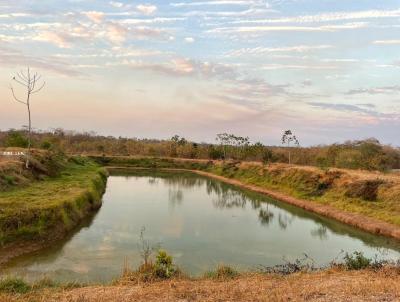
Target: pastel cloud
x=146 y=9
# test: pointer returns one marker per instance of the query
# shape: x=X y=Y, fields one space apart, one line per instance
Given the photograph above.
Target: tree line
x=367 y=154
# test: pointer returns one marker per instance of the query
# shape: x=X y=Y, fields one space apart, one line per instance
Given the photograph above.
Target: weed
x=357 y=261
x=14 y=286
x=222 y=272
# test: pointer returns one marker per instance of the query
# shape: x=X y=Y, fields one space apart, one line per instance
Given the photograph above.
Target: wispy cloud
x=342 y=107
x=387 y=42
x=264 y=50
x=327 y=17
x=212 y=3
x=375 y=90
x=288 y=28
x=15 y=59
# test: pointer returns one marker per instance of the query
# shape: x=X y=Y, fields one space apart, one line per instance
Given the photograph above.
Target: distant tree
x=224 y=140
x=287 y=138
x=33 y=84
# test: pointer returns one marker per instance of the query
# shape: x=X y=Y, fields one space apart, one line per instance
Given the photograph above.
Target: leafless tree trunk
x=33 y=84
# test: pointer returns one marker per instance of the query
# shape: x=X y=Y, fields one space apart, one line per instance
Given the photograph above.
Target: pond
x=201 y=222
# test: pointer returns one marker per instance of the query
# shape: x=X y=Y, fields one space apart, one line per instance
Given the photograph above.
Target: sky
x=328 y=70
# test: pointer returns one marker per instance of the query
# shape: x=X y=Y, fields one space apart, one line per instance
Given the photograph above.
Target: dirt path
x=324 y=286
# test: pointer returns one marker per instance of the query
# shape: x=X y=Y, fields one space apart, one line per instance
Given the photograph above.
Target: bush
x=164 y=267
x=356 y=261
x=14 y=286
x=267 y=156
x=46 y=145
x=222 y=272
x=16 y=139
x=365 y=189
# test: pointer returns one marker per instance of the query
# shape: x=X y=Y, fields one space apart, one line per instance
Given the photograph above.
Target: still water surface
x=201 y=222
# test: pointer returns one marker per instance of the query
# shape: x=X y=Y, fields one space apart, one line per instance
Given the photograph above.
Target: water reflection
x=265 y=216
x=321 y=232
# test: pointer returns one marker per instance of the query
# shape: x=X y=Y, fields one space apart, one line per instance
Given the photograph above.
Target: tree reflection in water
x=224 y=197
x=265 y=216
x=321 y=232
x=285 y=220
x=175 y=197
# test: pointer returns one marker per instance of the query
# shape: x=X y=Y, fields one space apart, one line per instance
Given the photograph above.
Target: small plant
x=356 y=261
x=14 y=286
x=222 y=272
x=164 y=267
x=145 y=248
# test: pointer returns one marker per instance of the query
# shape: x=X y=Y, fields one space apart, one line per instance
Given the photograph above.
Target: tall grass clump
x=14 y=286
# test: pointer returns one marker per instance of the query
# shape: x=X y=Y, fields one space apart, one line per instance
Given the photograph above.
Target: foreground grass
x=53 y=205
x=329 y=285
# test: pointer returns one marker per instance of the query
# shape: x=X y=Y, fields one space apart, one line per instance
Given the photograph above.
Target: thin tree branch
x=32 y=87
x=23 y=75
x=21 y=83
x=22 y=78
x=15 y=97
x=37 y=90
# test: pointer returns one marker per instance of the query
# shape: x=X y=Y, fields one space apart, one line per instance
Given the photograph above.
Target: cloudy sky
x=328 y=69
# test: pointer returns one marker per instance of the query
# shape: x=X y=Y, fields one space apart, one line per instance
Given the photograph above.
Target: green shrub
x=356 y=261
x=164 y=267
x=16 y=139
x=14 y=286
x=222 y=272
x=46 y=145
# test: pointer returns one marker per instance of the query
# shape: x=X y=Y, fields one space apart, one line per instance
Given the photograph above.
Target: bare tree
x=287 y=138
x=33 y=84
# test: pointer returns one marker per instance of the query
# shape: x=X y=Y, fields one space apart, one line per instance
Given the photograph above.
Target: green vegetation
x=366 y=154
x=164 y=267
x=356 y=261
x=14 y=286
x=51 y=203
x=222 y=272
x=15 y=139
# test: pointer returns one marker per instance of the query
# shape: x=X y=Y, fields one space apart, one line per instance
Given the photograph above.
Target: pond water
x=201 y=222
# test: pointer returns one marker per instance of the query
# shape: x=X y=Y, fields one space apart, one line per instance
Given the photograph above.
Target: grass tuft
x=14 y=286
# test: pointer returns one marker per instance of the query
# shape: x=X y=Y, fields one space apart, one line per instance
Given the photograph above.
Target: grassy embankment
x=46 y=201
x=367 y=194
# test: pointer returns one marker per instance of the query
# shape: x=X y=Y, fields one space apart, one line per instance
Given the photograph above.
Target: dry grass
x=330 y=285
